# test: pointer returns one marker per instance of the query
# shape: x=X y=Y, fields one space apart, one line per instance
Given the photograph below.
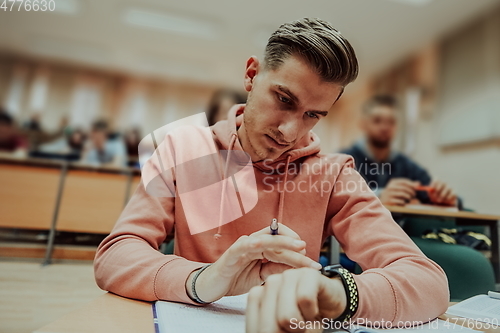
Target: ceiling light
x=170 y=23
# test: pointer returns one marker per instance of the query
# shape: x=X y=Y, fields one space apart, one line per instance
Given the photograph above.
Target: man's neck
x=242 y=138
x=380 y=154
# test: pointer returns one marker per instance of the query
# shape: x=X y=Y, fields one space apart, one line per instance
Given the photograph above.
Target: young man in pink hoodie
x=306 y=66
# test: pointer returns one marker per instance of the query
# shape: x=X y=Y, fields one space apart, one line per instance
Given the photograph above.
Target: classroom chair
x=469 y=271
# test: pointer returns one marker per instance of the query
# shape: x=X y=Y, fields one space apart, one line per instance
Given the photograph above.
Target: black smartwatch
x=350 y=288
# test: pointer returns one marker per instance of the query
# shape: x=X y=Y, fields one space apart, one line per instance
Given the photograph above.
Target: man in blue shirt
x=394 y=177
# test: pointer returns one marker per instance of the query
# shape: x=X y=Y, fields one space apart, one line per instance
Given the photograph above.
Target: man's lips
x=276 y=144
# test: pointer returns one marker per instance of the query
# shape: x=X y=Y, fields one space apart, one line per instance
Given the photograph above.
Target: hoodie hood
x=225 y=130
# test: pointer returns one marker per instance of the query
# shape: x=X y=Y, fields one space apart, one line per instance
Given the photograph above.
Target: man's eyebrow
x=323 y=113
x=296 y=100
x=288 y=92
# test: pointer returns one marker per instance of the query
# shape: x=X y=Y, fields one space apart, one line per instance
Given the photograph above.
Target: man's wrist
x=189 y=281
x=201 y=281
x=348 y=287
x=191 y=285
x=341 y=296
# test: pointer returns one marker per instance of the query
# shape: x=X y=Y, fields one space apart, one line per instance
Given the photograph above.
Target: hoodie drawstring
x=282 y=193
x=218 y=235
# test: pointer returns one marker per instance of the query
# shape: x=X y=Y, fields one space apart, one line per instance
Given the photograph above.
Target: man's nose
x=289 y=128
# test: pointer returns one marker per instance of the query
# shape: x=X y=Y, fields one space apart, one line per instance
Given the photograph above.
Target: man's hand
x=249 y=261
x=399 y=191
x=287 y=300
x=442 y=194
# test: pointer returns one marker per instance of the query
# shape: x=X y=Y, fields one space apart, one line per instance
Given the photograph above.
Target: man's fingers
x=287 y=302
x=448 y=197
x=407 y=189
x=451 y=199
x=268 y=304
x=248 y=248
x=307 y=295
x=396 y=198
x=446 y=194
x=292 y=259
x=402 y=194
x=438 y=187
x=270 y=268
x=282 y=230
x=403 y=182
x=440 y=191
x=397 y=202
x=253 y=309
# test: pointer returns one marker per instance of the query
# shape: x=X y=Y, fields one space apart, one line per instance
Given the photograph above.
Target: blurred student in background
x=11 y=140
x=394 y=177
x=220 y=103
x=76 y=140
x=101 y=150
x=132 y=138
x=70 y=146
x=37 y=136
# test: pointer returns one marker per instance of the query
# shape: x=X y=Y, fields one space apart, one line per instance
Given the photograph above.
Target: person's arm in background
x=442 y=193
x=401 y=190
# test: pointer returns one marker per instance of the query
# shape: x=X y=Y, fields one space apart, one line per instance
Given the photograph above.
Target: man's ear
x=252 y=69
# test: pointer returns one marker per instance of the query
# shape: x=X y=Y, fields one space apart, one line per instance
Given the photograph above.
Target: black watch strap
x=350 y=288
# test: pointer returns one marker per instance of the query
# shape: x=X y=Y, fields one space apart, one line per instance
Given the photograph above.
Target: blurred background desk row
x=79 y=202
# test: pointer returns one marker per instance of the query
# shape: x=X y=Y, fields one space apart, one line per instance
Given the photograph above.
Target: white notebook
x=481 y=308
x=227 y=315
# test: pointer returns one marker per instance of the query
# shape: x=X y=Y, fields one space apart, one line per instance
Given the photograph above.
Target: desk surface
x=106 y=314
x=110 y=313
x=443 y=213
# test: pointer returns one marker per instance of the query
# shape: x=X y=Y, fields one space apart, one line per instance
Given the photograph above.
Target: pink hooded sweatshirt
x=324 y=196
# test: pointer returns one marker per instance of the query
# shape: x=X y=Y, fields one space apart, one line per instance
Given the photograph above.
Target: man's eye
x=312 y=115
x=284 y=99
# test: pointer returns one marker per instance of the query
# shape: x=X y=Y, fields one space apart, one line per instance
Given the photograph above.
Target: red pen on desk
x=424 y=188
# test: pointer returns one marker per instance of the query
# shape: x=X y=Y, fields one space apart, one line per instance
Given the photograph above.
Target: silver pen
x=274 y=227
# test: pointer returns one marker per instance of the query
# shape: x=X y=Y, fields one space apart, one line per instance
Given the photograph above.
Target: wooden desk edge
x=57 y=164
x=443 y=213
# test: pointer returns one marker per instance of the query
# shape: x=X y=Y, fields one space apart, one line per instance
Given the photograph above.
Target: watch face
x=331 y=271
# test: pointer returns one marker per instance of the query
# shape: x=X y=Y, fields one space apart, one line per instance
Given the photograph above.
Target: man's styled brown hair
x=322 y=46
x=380 y=100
